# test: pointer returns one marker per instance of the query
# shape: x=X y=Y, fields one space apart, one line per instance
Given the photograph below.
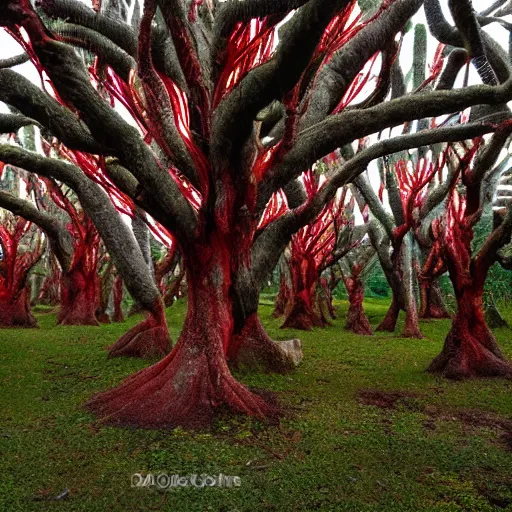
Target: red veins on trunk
x=16 y=262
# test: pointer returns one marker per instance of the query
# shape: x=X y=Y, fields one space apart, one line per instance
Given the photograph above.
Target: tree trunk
x=400 y=279
x=15 y=311
x=281 y=299
x=357 y=321
x=253 y=349
x=149 y=339
x=492 y=314
x=143 y=237
x=388 y=324
x=470 y=349
x=406 y=283
x=118 y=299
x=79 y=298
x=193 y=382
x=301 y=314
x=432 y=305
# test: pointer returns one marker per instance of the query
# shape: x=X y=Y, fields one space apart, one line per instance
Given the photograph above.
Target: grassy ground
x=367 y=430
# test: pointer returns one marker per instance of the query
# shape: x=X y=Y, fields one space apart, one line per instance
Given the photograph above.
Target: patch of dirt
x=467 y=417
x=473 y=417
x=386 y=399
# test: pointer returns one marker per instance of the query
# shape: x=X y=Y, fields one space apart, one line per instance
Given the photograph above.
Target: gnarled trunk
x=253 y=349
x=300 y=313
x=79 y=298
x=148 y=339
x=470 y=349
x=357 y=321
x=15 y=310
x=432 y=305
x=193 y=382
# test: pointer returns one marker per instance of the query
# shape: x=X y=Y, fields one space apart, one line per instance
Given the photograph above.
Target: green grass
x=331 y=452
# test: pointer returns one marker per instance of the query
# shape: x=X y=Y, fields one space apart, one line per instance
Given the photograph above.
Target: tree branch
x=60 y=238
x=116 y=235
x=338 y=130
x=17 y=91
x=14 y=61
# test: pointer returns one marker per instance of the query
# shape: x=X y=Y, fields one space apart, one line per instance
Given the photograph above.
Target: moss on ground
x=366 y=429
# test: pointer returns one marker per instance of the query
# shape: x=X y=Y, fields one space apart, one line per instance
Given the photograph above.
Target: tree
x=352 y=270
x=21 y=248
x=197 y=82
x=313 y=249
x=470 y=348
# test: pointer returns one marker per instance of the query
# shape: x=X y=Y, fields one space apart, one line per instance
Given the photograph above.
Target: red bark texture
x=431 y=302
x=253 y=349
x=282 y=298
x=470 y=349
x=357 y=321
x=15 y=266
x=311 y=252
x=149 y=339
x=79 y=297
x=80 y=287
x=388 y=324
x=15 y=311
x=301 y=311
x=191 y=384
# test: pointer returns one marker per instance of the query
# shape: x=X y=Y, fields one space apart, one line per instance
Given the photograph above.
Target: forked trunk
x=470 y=349
x=15 y=311
x=400 y=281
x=149 y=339
x=79 y=298
x=193 y=382
x=432 y=305
x=301 y=314
x=357 y=321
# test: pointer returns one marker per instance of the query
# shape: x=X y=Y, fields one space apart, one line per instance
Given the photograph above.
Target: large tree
x=227 y=114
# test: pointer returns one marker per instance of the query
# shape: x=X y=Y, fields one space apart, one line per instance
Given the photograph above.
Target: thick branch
x=233 y=118
x=116 y=235
x=376 y=207
x=338 y=130
x=277 y=234
x=11 y=123
x=60 y=238
x=72 y=82
x=339 y=72
x=14 y=61
x=17 y=91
